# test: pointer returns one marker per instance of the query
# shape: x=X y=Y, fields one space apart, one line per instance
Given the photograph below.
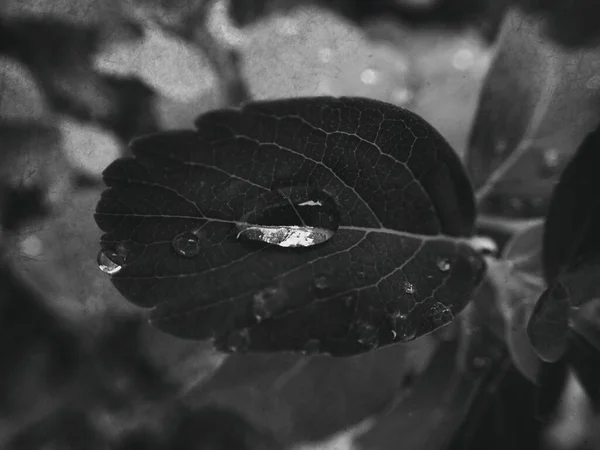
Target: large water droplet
x=286 y=235
x=409 y=288
x=268 y=301
x=443 y=264
x=109 y=261
x=368 y=335
x=238 y=341
x=369 y=76
x=187 y=244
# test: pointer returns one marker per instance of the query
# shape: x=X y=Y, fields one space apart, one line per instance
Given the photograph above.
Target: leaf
x=396 y=266
x=571 y=233
x=571 y=251
x=523 y=251
x=307 y=398
x=524 y=129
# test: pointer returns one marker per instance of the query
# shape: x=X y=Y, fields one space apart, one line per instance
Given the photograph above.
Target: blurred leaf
x=571 y=23
x=368 y=178
x=523 y=251
x=525 y=128
x=165 y=62
x=586 y=322
x=88 y=148
x=307 y=398
x=20 y=96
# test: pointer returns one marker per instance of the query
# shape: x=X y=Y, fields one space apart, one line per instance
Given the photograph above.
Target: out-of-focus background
x=80 y=367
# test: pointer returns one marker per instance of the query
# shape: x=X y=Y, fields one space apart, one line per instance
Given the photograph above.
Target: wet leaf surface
x=382 y=179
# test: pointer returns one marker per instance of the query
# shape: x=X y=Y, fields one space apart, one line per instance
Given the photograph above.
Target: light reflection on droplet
x=109 y=261
x=463 y=59
x=286 y=235
x=409 y=288
x=368 y=336
x=551 y=158
x=369 y=76
x=238 y=341
x=187 y=244
x=443 y=265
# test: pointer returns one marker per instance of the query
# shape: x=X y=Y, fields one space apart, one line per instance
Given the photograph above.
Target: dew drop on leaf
x=440 y=314
x=367 y=335
x=443 y=265
x=109 y=261
x=285 y=235
x=187 y=244
x=321 y=282
x=409 y=288
x=267 y=301
x=484 y=245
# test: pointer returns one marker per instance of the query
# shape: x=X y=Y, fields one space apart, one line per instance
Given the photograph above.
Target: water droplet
x=500 y=147
x=285 y=235
x=369 y=76
x=443 y=264
x=312 y=347
x=109 y=261
x=187 y=244
x=321 y=282
x=394 y=335
x=238 y=341
x=440 y=314
x=268 y=301
x=409 y=288
x=484 y=245
x=367 y=335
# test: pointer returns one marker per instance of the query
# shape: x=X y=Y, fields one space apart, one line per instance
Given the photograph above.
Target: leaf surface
x=194 y=217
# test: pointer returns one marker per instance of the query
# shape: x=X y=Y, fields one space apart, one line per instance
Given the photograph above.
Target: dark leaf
x=525 y=128
x=585 y=360
x=552 y=381
x=571 y=251
x=571 y=233
x=586 y=322
x=571 y=23
x=549 y=323
x=381 y=184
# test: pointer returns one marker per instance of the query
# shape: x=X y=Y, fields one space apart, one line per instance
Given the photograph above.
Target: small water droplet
x=500 y=147
x=312 y=347
x=267 y=301
x=440 y=314
x=187 y=244
x=401 y=96
x=369 y=76
x=238 y=341
x=367 y=335
x=109 y=261
x=409 y=288
x=321 y=282
x=443 y=264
